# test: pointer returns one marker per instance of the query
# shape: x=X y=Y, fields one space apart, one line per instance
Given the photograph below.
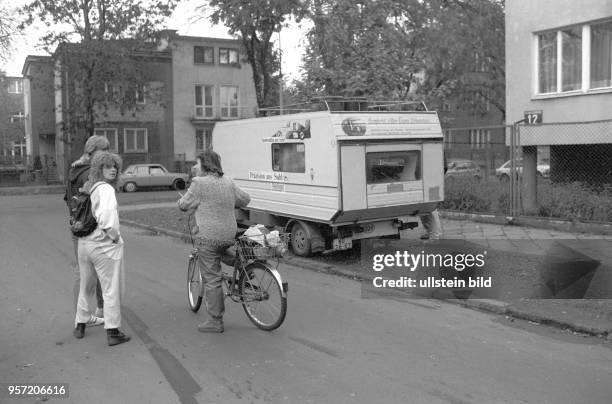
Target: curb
x=568 y=226
x=486 y=305
x=37 y=190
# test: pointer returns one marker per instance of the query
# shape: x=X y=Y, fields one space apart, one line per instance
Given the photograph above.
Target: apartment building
x=13 y=149
x=210 y=82
x=559 y=80
x=188 y=84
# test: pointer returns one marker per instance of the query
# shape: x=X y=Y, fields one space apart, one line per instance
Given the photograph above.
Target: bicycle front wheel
x=194 y=284
x=262 y=297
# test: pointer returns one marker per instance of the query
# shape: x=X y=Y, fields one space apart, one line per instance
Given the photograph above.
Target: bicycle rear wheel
x=262 y=297
x=194 y=284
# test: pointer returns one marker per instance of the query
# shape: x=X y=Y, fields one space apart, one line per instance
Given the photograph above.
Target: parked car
x=463 y=169
x=503 y=172
x=150 y=175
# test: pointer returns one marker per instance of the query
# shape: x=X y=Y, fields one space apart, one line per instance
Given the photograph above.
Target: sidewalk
x=33 y=190
x=588 y=316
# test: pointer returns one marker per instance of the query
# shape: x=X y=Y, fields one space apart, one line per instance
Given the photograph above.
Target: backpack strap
x=72 y=183
x=96 y=185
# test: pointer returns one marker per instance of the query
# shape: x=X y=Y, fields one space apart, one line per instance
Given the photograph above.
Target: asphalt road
x=335 y=347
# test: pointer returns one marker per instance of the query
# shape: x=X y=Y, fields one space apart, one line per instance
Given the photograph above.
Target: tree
x=464 y=48
x=428 y=50
x=256 y=21
x=100 y=46
x=356 y=50
x=8 y=29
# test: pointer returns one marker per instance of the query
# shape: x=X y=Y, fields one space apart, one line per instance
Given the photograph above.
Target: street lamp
x=280 y=81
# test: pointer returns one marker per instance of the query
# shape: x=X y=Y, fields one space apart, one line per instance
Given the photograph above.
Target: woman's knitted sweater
x=215 y=199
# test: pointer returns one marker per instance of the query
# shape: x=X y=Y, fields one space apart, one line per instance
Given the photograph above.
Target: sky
x=291 y=38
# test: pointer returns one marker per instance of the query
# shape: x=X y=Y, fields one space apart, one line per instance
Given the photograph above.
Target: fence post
x=530 y=199
x=515 y=188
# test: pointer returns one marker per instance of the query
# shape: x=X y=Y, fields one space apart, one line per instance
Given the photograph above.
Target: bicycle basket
x=262 y=246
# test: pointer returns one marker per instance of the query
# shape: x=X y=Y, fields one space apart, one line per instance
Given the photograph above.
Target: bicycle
x=254 y=282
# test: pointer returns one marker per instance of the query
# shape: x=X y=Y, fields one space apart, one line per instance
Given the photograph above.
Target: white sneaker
x=94 y=321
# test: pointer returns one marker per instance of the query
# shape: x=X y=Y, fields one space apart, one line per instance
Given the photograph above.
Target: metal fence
x=573 y=180
x=26 y=170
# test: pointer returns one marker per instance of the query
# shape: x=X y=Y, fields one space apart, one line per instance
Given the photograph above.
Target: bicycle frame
x=239 y=264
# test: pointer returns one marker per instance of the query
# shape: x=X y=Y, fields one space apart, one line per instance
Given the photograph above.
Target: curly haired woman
x=101 y=252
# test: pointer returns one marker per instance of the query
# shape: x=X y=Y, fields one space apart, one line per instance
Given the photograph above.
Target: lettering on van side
x=268 y=176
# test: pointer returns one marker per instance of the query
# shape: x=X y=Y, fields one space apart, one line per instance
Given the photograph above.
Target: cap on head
x=95 y=143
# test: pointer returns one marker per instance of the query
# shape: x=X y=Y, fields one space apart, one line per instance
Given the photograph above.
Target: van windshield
x=393 y=166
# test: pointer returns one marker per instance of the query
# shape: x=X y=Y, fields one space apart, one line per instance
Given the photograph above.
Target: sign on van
x=387 y=125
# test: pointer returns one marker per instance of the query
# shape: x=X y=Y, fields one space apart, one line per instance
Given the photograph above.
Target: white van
x=331 y=177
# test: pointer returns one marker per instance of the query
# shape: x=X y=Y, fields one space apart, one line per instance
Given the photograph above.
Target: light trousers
x=106 y=260
x=77 y=278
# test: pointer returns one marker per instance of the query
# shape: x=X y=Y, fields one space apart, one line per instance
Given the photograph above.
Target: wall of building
x=523 y=18
x=40 y=118
x=10 y=104
x=187 y=74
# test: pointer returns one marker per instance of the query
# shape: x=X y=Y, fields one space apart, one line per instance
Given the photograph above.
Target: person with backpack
x=101 y=251
x=77 y=176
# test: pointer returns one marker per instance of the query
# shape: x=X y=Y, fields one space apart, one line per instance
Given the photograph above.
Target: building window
x=571 y=57
x=203 y=55
x=139 y=95
x=111 y=135
x=17 y=117
x=229 y=101
x=562 y=54
x=135 y=140
x=228 y=56
x=15 y=86
x=601 y=55
x=289 y=157
x=109 y=91
x=18 y=149
x=547 y=69
x=204 y=101
x=480 y=138
x=203 y=139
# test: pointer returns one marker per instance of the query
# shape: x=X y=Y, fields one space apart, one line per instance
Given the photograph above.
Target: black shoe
x=425 y=236
x=116 y=337
x=79 y=330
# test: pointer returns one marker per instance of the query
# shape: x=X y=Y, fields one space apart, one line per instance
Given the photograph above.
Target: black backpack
x=82 y=220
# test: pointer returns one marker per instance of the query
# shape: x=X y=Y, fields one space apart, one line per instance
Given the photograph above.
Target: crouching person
x=101 y=252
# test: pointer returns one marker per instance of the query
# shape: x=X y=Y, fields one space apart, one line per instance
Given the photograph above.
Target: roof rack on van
x=342 y=104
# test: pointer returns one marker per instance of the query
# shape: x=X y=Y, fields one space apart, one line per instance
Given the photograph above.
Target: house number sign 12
x=533 y=117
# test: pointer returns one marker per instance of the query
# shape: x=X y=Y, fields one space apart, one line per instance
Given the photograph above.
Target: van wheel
x=300 y=242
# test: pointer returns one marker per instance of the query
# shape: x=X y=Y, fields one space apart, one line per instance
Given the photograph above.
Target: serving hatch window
x=393 y=166
x=288 y=157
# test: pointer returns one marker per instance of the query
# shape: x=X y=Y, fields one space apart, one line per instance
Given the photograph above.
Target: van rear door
x=380 y=174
